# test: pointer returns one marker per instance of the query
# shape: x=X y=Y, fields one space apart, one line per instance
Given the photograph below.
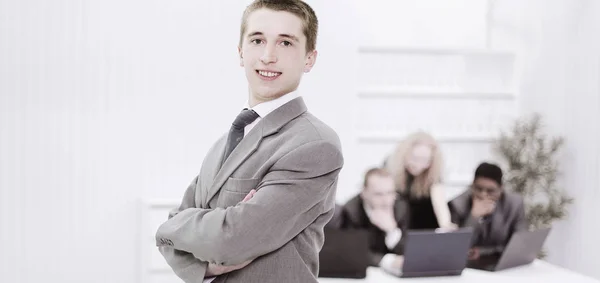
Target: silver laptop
x=430 y=253
x=522 y=249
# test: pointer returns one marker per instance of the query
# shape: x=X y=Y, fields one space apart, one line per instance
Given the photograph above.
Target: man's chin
x=269 y=94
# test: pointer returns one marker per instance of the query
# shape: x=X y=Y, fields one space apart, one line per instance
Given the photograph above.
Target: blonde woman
x=417 y=168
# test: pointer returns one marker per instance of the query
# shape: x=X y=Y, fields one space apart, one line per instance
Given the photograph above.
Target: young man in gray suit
x=494 y=213
x=256 y=210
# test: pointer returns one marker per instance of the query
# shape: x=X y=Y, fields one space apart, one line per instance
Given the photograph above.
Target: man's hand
x=447 y=228
x=450 y=226
x=473 y=254
x=398 y=262
x=384 y=219
x=249 y=196
x=215 y=270
x=482 y=207
x=392 y=264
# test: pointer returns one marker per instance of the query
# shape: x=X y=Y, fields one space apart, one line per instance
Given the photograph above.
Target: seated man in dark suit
x=494 y=214
x=379 y=209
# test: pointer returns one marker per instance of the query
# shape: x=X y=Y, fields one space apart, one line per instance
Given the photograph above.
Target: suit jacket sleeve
x=399 y=248
x=402 y=218
x=289 y=198
x=520 y=220
x=184 y=264
x=375 y=258
x=347 y=223
x=465 y=219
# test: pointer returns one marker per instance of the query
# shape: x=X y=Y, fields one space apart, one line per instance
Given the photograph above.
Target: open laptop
x=345 y=254
x=523 y=248
x=431 y=253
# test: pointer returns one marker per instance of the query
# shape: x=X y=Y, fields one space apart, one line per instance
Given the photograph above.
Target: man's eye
x=286 y=43
x=256 y=41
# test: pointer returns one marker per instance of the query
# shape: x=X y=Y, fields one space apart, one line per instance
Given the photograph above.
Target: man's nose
x=269 y=55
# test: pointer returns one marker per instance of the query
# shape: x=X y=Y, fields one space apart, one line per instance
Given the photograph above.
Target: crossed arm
x=289 y=198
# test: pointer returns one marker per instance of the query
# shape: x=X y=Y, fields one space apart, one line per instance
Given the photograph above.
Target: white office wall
x=424 y=23
x=559 y=75
x=425 y=65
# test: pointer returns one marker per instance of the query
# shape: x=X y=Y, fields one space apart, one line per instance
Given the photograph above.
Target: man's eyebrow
x=255 y=33
x=290 y=36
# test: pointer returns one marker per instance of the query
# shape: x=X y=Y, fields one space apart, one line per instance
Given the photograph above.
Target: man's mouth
x=268 y=74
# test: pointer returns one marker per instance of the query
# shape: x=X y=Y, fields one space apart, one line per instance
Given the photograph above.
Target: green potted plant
x=532 y=170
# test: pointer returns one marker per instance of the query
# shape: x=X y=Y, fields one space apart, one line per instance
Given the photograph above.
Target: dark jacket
x=354 y=216
x=491 y=233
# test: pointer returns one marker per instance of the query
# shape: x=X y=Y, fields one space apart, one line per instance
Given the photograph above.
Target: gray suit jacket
x=293 y=160
x=493 y=232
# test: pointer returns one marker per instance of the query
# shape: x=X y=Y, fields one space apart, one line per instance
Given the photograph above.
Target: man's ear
x=311 y=59
x=241 y=56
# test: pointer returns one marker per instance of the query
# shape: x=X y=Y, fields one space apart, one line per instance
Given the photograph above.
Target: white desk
x=538 y=271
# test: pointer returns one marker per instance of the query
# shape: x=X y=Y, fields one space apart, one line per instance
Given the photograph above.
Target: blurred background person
x=379 y=210
x=416 y=166
x=493 y=213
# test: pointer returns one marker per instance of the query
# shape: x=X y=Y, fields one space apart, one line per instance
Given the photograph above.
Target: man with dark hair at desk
x=380 y=210
x=493 y=213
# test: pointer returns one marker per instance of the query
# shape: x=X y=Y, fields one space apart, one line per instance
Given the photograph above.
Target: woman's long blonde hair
x=422 y=184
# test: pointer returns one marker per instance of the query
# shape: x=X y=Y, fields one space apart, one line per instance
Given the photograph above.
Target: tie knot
x=245 y=118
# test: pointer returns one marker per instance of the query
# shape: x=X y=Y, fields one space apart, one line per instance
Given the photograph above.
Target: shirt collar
x=263 y=109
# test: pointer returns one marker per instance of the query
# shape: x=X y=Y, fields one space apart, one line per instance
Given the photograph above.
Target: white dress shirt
x=264 y=109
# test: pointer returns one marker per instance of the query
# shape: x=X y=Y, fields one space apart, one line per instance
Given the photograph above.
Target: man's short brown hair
x=296 y=7
x=375 y=171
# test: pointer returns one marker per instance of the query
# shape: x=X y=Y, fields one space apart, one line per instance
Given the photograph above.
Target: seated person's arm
x=375 y=258
x=394 y=241
x=392 y=263
x=465 y=219
x=519 y=224
x=440 y=207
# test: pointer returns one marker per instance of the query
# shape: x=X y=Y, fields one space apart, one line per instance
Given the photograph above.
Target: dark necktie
x=486 y=223
x=236 y=133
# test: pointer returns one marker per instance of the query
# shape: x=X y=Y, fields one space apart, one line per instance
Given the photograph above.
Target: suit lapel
x=213 y=164
x=497 y=231
x=249 y=144
x=245 y=148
